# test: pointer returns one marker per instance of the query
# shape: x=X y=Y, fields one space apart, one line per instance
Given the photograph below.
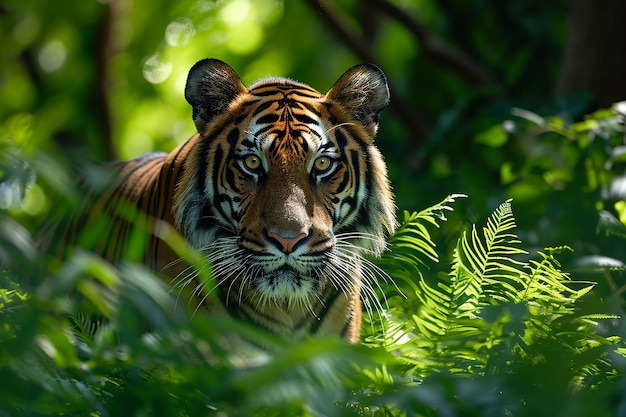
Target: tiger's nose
x=286 y=242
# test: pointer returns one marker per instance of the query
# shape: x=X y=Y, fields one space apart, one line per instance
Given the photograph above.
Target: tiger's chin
x=287 y=287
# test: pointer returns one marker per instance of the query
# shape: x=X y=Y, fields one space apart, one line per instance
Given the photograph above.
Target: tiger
x=281 y=191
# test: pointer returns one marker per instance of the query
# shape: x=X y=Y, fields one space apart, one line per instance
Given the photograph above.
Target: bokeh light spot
x=235 y=12
x=52 y=56
x=155 y=70
x=179 y=32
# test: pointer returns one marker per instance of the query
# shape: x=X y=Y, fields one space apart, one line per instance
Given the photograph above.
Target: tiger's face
x=284 y=189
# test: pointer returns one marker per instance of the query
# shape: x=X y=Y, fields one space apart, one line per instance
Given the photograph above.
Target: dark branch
x=340 y=26
x=437 y=50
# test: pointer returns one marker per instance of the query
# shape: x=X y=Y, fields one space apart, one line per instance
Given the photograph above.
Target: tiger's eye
x=252 y=162
x=323 y=163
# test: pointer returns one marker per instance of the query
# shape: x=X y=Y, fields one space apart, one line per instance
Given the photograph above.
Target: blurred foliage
x=472 y=112
x=496 y=336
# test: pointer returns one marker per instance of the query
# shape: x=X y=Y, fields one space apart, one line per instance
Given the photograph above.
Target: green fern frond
x=411 y=249
x=483 y=268
x=492 y=297
x=546 y=283
x=84 y=330
x=592 y=317
x=412 y=242
x=85 y=327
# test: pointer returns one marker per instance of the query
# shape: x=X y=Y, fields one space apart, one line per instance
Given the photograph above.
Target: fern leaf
x=546 y=282
x=492 y=297
x=411 y=249
x=411 y=242
x=483 y=266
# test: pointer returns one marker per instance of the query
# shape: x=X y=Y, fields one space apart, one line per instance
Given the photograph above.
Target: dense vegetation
x=508 y=289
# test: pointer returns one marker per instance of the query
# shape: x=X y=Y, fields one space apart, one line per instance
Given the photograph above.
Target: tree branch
x=437 y=50
x=340 y=26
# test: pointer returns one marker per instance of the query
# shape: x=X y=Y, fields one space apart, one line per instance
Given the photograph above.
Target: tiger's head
x=284 y=190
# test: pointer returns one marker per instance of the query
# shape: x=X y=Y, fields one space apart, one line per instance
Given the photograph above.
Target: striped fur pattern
x=282 y=190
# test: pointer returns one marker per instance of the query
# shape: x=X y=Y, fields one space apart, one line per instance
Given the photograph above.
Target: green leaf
x=494 y=137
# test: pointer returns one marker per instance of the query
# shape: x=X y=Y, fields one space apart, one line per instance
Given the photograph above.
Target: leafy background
x=495 y=100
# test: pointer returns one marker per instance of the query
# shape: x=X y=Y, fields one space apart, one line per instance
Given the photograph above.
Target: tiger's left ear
x=363 y=92
x=211 y=86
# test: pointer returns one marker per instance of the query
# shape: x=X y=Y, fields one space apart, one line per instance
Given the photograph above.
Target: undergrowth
x=496 y=334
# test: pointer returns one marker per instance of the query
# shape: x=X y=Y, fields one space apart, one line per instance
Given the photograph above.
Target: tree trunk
x=594 y=59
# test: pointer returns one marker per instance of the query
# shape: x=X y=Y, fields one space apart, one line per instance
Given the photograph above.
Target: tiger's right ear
x=363 y=92
x=211 y=86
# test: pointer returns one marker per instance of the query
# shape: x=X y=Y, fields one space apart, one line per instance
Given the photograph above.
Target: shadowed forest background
x=98 y=81
x=497 y=100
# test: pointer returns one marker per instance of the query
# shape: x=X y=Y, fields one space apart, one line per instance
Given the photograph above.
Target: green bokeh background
x=475 y=109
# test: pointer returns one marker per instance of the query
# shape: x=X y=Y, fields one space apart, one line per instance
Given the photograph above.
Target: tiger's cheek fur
x=243 y=193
